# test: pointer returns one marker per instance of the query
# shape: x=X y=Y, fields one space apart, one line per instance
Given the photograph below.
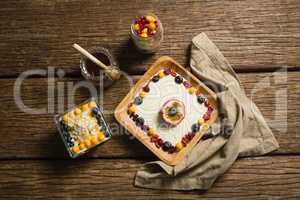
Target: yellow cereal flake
x=92 y=104
x=101 y=136
x=94 y=140
x=75 y=149
x=82 y=146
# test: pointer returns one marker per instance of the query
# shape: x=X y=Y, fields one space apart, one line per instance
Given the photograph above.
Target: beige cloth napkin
x=241 y=130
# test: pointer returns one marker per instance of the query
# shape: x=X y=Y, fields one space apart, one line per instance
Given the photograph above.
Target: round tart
x=173 y=112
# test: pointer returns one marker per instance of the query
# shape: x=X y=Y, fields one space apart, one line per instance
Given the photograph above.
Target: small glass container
x=82 y=127
x=151 y=43
x=93 y=72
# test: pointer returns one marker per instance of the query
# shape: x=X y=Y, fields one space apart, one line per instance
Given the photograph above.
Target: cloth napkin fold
x=240 y=131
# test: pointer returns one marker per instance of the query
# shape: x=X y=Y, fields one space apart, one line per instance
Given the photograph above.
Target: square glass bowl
x=82 y=127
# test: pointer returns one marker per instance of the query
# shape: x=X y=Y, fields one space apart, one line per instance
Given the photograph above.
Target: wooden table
x=260 y=38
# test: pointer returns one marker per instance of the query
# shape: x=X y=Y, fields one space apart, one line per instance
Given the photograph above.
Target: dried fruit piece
x=132 y=109
x=186 y=84
x=75 y=149
x=101 y=136
x=151 y=132
x=178 y=146
x=143 y=94
x=146 y=88
x=201 y=121
x=192 y=90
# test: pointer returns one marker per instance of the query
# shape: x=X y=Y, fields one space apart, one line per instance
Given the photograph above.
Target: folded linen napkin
x=240 y=131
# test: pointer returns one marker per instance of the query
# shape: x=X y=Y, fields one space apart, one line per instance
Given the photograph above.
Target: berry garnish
x=206 y=116
x=178 y=79
x=140 y=121
x=138 y=100
x=195 y=127
x=167 y=71
x=155 y=78
x=145 y=26
x=210 y=109
x=186 y=84
x=166 y=146
x=201 y=99
x=206 y=103
x=146 y=88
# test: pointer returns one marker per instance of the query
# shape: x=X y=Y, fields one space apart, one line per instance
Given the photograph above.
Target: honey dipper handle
x=90 y=56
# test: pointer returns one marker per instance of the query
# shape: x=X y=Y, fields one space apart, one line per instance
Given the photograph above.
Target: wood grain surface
x=34 y=136
x=252 y=34
x=260 y=38
x=257 y=178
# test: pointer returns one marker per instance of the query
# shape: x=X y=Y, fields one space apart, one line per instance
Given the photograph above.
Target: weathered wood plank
x=259 y=178
x=34 y=136
x=251 y=34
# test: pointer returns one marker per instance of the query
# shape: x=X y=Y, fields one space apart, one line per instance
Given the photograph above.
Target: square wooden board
x=123 y=118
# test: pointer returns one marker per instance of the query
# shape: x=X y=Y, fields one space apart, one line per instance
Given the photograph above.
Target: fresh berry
x=206 y=116
x=146 y=88
x=135 y=117
x=210 y=109
x=166 y=146
x=167 y=71
x=206 y=103
x=195 y=127
x=95 y=111
x=138 y=100
x=140 y=121
x=155 y=78
x=201 y=99
x=186 y=84
x=178 y=79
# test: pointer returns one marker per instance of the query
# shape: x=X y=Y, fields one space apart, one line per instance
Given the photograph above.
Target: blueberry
x=201 y=99
x=140 y=121
x=195 y=128
x=172 y=111
x=138 y=100
x=155 y=78
x=166 y=146
x=178 y=79
x=135 y=117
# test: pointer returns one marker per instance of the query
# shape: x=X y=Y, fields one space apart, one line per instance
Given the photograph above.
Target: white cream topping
x=160 y=92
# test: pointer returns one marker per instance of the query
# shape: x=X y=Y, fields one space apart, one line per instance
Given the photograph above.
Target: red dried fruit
x=186 y=84
x=159 y=142
x=154 y=138
x=146 y=88
x=206 y=103
x=206 y=116
x=173 y=73
x=209 y=109
x=167 y=71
